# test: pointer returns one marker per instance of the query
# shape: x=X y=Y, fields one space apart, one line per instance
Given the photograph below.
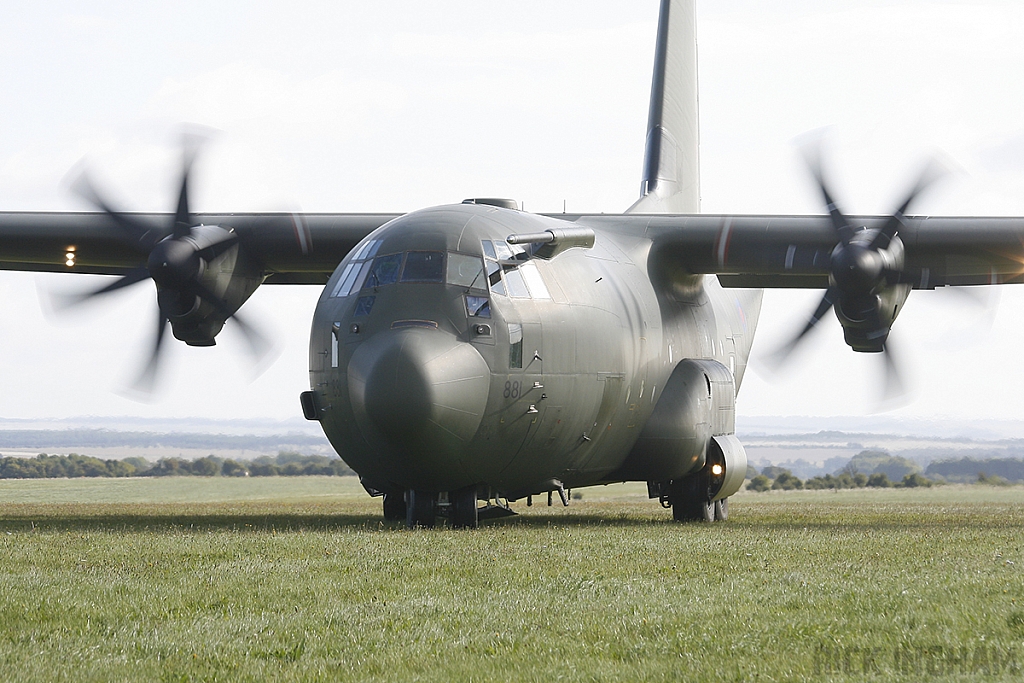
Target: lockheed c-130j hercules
x=476 y=352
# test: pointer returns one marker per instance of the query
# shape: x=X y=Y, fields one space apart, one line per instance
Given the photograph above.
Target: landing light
x=69 y=257
x=717 y=469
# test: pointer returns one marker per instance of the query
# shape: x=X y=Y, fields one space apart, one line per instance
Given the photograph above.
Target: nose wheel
x=394 y=507
x=463 y=508
x=420 y=509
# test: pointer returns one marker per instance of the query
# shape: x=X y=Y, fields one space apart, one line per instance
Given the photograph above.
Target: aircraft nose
x=422 y=390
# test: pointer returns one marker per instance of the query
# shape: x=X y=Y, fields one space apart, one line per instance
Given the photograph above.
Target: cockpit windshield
x=466 y=271
x=384 y=270
x=462 y=270
x=424 y=266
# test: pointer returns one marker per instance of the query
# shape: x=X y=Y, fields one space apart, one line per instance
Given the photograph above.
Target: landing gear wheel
x=394 y=507
x=463 y=508
x=722 y=510
x=690 y=500
x=420 y=509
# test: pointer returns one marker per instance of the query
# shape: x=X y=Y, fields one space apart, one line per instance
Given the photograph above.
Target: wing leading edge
x=291 y=248
x=795 y=251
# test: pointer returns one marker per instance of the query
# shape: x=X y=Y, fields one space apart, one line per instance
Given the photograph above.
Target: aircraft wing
x=795 y=251
x=744 y=251
x=292 y=248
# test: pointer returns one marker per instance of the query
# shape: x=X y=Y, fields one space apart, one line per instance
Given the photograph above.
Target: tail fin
x=671 y=180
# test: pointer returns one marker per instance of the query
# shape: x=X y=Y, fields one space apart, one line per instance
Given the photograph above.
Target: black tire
x=463 y=508
x=420 y=509
x=722 y=510
x=690 y=500
x=394 y=507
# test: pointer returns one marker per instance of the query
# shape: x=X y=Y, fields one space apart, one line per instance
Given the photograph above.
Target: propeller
x=863 y=264
x=176 y=257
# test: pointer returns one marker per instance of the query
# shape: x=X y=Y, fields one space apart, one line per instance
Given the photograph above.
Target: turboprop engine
x=202 y=272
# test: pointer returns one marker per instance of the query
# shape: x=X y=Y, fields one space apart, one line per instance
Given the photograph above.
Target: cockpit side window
x=538 y=290
x=491 y=252
x=352 y=276
x=516 y=283
x=509 y=271
x=478 y=306
x=364 y=305
x=424 y=266
x=494 y=277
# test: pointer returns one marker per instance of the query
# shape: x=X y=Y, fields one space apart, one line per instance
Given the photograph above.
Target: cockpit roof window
x=489 y=249
x=352 y=276
x=424 y=266
x=368 y=250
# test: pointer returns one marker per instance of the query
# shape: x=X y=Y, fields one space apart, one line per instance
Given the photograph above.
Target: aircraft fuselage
x=442 y=358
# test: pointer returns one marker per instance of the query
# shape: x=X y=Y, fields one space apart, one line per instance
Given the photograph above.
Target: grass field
x=299 y=579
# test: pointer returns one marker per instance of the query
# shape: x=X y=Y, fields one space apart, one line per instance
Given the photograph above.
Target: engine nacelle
x=698 y=403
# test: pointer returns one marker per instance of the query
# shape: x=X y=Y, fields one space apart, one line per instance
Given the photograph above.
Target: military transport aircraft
x=478 y=353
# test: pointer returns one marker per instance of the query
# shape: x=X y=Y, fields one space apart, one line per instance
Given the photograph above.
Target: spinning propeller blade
x=860 y=269
x=175 y=257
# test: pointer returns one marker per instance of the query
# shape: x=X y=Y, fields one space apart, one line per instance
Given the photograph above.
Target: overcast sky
x=393 y=106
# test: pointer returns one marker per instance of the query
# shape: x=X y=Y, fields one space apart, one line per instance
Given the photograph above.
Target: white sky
x=392 y=106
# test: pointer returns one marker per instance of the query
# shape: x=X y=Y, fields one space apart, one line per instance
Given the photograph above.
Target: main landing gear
x=690 y=500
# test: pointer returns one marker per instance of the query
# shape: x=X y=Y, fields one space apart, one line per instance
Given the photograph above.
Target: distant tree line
x=990 y=470
x=106 y=438
x=785 y=480
x=285 y=463
x=45 y=466
x=879 y=469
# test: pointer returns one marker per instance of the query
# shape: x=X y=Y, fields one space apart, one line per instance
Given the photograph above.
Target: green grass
x=299 y=579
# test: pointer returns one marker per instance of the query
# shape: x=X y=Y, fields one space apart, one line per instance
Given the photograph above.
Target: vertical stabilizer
x=671 y=176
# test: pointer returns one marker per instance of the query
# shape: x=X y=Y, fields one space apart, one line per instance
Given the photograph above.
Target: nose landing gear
x=421 y=508
x=394 y=507
x=463 y=508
